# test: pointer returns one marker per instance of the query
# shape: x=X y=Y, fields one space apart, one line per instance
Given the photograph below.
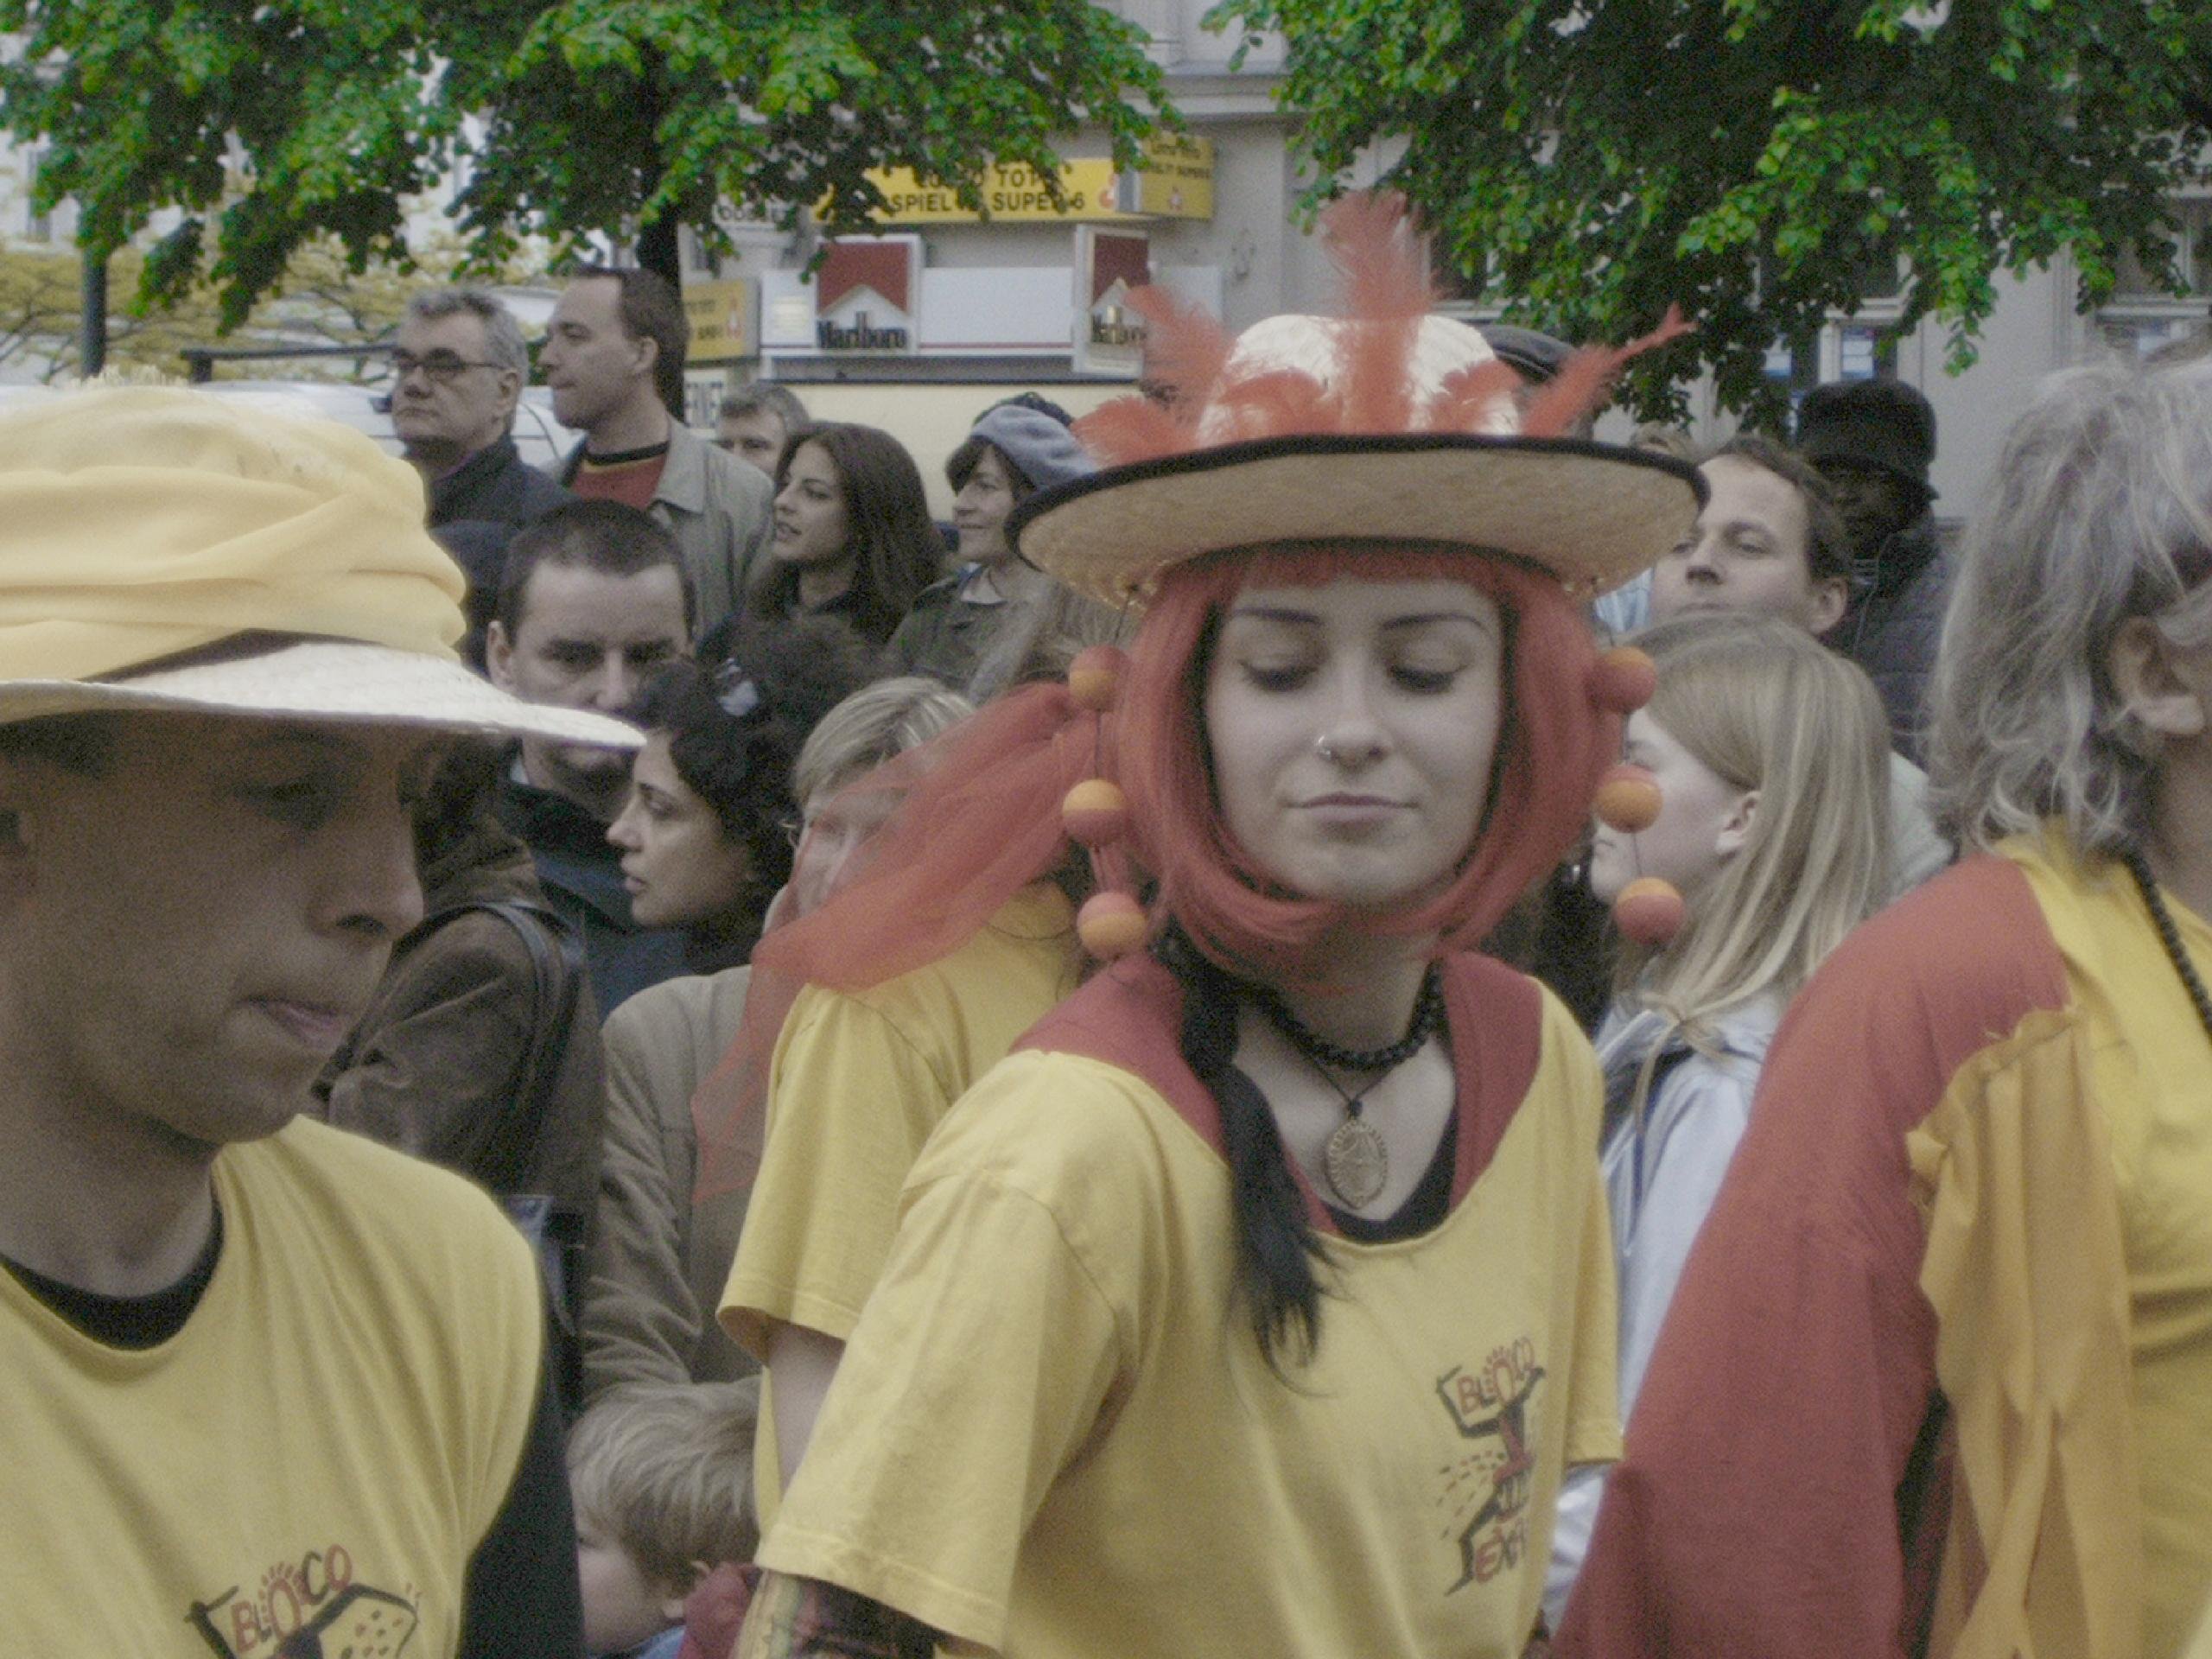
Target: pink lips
x=315 y=1025
x=1351 y=810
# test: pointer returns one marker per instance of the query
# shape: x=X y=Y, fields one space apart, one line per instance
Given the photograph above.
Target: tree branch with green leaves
x=1762 y=163
x=266 y=124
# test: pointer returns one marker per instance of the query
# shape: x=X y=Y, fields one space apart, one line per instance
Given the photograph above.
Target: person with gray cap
x=272 y=1387
x=1015 y=449
x=1873 y=442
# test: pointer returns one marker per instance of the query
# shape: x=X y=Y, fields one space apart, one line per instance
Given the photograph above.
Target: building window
x=2189 y=243
x=1866 y=351
x=1794 y=366
x=1471 y=299
x=37 y=226
x=2141 y=316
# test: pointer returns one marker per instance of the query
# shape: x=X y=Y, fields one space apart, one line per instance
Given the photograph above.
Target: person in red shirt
x=613 y=357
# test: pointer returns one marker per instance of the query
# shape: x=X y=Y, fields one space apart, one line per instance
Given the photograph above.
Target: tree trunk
x=659 y=251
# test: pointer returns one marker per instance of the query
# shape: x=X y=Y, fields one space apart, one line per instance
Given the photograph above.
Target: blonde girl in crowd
x=1771 y=757
x=1258 y=1302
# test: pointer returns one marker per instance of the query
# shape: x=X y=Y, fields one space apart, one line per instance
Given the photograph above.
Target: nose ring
x=1325 y=749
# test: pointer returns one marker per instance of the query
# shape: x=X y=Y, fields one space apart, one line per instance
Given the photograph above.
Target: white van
x=544 y=442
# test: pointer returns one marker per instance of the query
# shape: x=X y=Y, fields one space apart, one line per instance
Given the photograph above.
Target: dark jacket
x=1894 y=624
x=495 y=484
x=945 y=635
x=582 y=875
x=435 y=1066
x=475 y=510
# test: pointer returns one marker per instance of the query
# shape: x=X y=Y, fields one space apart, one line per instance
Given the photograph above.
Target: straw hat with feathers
x=1385 y=422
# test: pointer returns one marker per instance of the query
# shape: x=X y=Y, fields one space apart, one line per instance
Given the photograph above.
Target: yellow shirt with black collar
x=319 y=1449
x=1053 y=1435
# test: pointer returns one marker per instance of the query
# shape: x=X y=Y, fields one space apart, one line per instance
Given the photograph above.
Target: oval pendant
x=1355 y=1162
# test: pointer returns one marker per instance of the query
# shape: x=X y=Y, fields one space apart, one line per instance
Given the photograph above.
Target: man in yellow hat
x=272 y=1389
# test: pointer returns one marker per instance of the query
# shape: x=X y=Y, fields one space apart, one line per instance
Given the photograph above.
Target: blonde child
x=661 y=1474
x=1771 y=755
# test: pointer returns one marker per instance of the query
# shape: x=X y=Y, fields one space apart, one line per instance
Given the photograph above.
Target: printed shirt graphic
x=1053 y=1434
x=307 y=1467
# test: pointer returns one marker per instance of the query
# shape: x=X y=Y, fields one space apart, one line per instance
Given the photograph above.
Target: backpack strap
x=555 y=1233
x=557 y=960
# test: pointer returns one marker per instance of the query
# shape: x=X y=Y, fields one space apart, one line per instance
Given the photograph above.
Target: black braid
x=1276 y=1246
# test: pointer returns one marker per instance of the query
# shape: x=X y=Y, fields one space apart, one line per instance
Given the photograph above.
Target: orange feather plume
x=1131 y=429
x=1381 y=262
x=1185 y=349
x=1274 y=404
x=1377 y=391
x=1381 y=257
x=1469 y=396
x=1581 y=387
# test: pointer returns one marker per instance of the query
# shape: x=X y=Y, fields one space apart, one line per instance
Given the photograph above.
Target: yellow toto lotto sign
x=1175 y=181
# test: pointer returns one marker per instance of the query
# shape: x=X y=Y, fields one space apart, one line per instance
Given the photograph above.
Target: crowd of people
x=1339 y=1021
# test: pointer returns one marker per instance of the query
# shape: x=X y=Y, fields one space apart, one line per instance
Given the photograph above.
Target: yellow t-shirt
x=323 y=1444
x=1054 y=1435
x=858 y=1082
x=2152 y=1073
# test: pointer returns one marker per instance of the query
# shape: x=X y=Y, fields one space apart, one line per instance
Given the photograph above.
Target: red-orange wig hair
x=1553 y=740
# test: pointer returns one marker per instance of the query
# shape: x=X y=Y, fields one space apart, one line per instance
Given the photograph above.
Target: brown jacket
x=434 y=1065
x=657 y=1267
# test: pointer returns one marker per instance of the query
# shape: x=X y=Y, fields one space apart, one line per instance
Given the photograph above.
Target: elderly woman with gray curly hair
x=1939 y=1377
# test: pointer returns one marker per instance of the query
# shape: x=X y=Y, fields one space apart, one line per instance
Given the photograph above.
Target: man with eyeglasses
x=459 y=371
x=458 y=368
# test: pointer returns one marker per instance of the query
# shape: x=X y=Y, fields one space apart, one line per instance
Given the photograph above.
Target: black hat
x=1534 y=357
x=1884 y=423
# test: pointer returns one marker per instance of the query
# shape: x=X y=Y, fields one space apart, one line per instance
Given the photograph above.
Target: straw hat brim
x=324 y=680
x=1591 y=514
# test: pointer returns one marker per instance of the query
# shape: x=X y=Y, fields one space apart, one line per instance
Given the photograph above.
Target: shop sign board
x=867 y=294
x=1109 y=336
x=1175 y=181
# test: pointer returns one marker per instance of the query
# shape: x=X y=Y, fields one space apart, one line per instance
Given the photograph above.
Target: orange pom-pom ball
x=1111 y=924
x=1629 y=798
x=1623 y=679
x=1095 y=676
x=1094 y=812
x=1650 y=910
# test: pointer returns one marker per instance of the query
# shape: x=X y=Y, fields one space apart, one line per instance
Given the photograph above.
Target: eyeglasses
x=442 y=367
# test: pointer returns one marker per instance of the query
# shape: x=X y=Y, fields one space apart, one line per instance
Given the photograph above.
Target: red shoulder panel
x=1775 y=1497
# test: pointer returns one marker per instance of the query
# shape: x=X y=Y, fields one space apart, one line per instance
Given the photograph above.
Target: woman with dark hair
x=668 y=1219
x=704 y=833
x=853 y=538
x=1259 y=1300
x=1012 y=451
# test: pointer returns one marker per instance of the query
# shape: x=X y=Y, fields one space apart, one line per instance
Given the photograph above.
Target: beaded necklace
x=2170 y=936
x=1355 y=1162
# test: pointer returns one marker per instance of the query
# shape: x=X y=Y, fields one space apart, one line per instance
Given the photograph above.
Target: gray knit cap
x=1038 y=447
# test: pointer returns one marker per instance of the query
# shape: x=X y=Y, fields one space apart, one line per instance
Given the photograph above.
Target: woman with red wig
x=1259 y=1300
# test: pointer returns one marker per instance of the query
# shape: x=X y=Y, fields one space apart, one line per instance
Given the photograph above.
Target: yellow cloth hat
x=141 y=524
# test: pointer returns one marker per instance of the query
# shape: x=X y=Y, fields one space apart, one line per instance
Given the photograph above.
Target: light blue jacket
x=1661 y=1174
